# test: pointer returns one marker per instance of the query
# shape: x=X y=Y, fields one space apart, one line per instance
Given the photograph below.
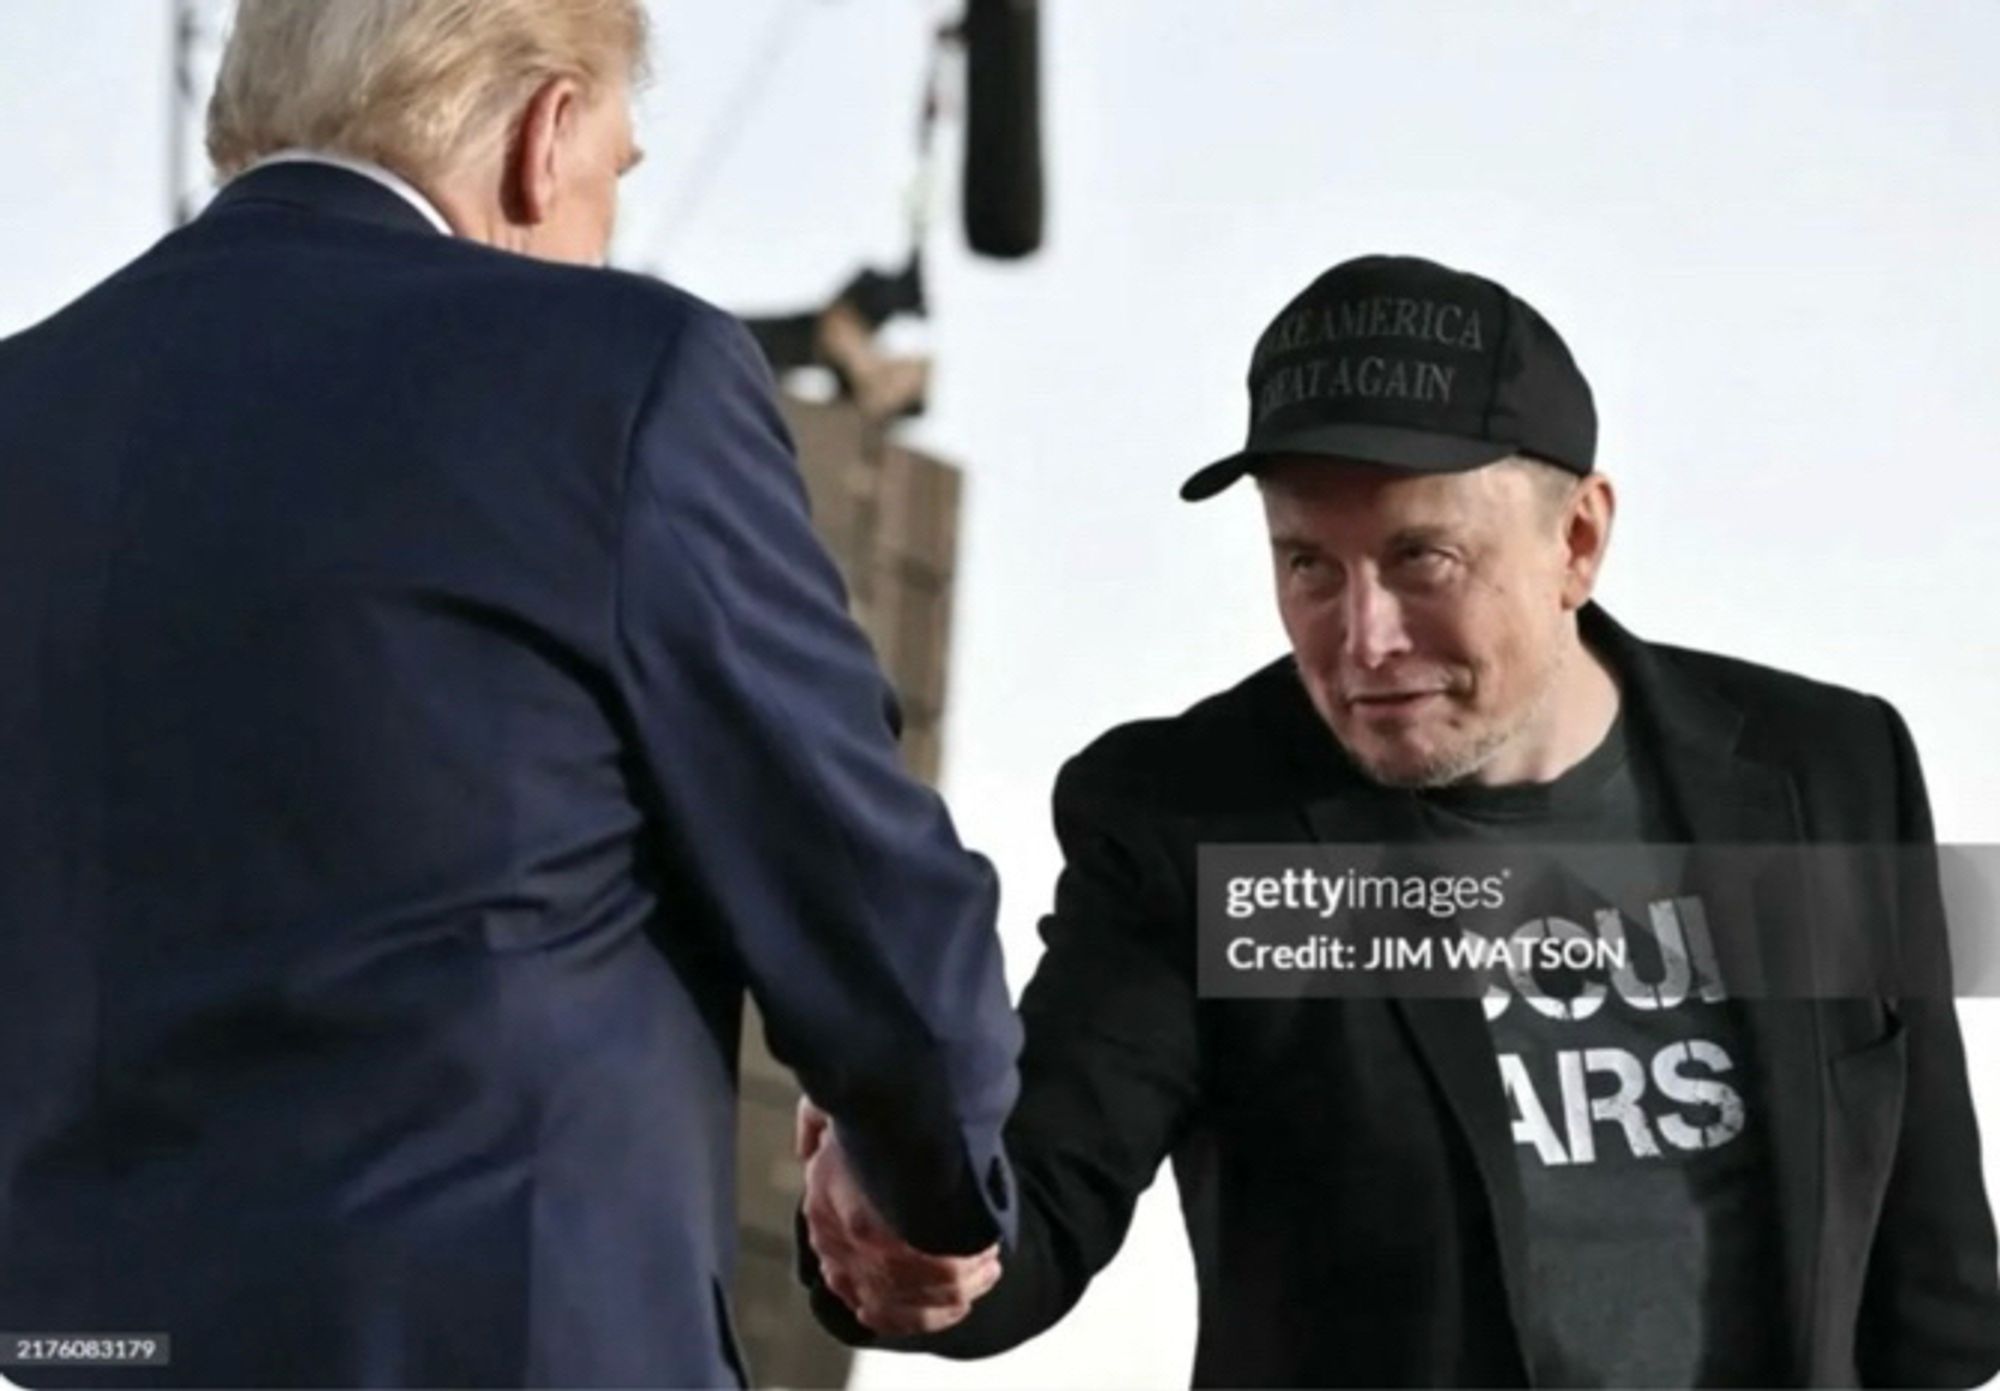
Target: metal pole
x=197 y=31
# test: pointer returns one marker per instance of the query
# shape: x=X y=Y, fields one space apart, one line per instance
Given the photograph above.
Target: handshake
x=892 y=1288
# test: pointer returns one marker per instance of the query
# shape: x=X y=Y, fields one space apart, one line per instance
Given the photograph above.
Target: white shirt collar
x=388 y=178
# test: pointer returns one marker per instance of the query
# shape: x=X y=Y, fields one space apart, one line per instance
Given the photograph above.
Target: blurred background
x=1766 y=231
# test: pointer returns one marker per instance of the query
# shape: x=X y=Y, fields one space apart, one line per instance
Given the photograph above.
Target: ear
x=1586 y=538
x=538 y=162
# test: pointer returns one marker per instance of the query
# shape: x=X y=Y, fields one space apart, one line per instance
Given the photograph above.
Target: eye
x=1307 y=567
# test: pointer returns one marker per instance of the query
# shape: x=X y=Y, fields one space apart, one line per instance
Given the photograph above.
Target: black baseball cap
x=1404 y=362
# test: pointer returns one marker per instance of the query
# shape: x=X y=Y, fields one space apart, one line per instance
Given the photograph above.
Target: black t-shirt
x=1643 y=1161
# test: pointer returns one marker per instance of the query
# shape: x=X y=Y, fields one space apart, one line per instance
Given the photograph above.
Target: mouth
x=1393 y=702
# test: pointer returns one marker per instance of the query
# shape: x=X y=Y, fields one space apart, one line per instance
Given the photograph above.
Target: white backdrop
x=1766 y=231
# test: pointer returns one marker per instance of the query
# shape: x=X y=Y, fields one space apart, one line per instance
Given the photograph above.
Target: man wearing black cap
x=1672 y=1186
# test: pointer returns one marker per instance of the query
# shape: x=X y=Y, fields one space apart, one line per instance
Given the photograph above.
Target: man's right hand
x=893 y=1288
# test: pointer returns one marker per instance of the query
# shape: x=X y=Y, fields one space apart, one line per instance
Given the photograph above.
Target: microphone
x=1003 y=128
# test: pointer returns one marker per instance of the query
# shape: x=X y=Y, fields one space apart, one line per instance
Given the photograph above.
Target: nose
x=1374 y=623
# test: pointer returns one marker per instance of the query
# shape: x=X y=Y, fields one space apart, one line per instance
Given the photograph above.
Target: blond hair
x=416 y=85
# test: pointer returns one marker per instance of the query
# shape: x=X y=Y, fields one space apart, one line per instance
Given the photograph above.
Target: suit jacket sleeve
x=1930 y=1313
x=864 y=929
x=1110 y=1074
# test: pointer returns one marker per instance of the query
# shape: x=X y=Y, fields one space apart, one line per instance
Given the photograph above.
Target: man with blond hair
x=427 y=714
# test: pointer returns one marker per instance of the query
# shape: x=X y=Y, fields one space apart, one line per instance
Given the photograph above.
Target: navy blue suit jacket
x=425 y=710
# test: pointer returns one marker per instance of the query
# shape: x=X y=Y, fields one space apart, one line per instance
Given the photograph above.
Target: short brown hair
x=1554 y=485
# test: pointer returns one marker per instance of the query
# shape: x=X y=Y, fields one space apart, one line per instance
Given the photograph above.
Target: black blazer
x=1346 y=1173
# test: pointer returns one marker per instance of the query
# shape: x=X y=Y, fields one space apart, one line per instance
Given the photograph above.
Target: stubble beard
x=1454 y=764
